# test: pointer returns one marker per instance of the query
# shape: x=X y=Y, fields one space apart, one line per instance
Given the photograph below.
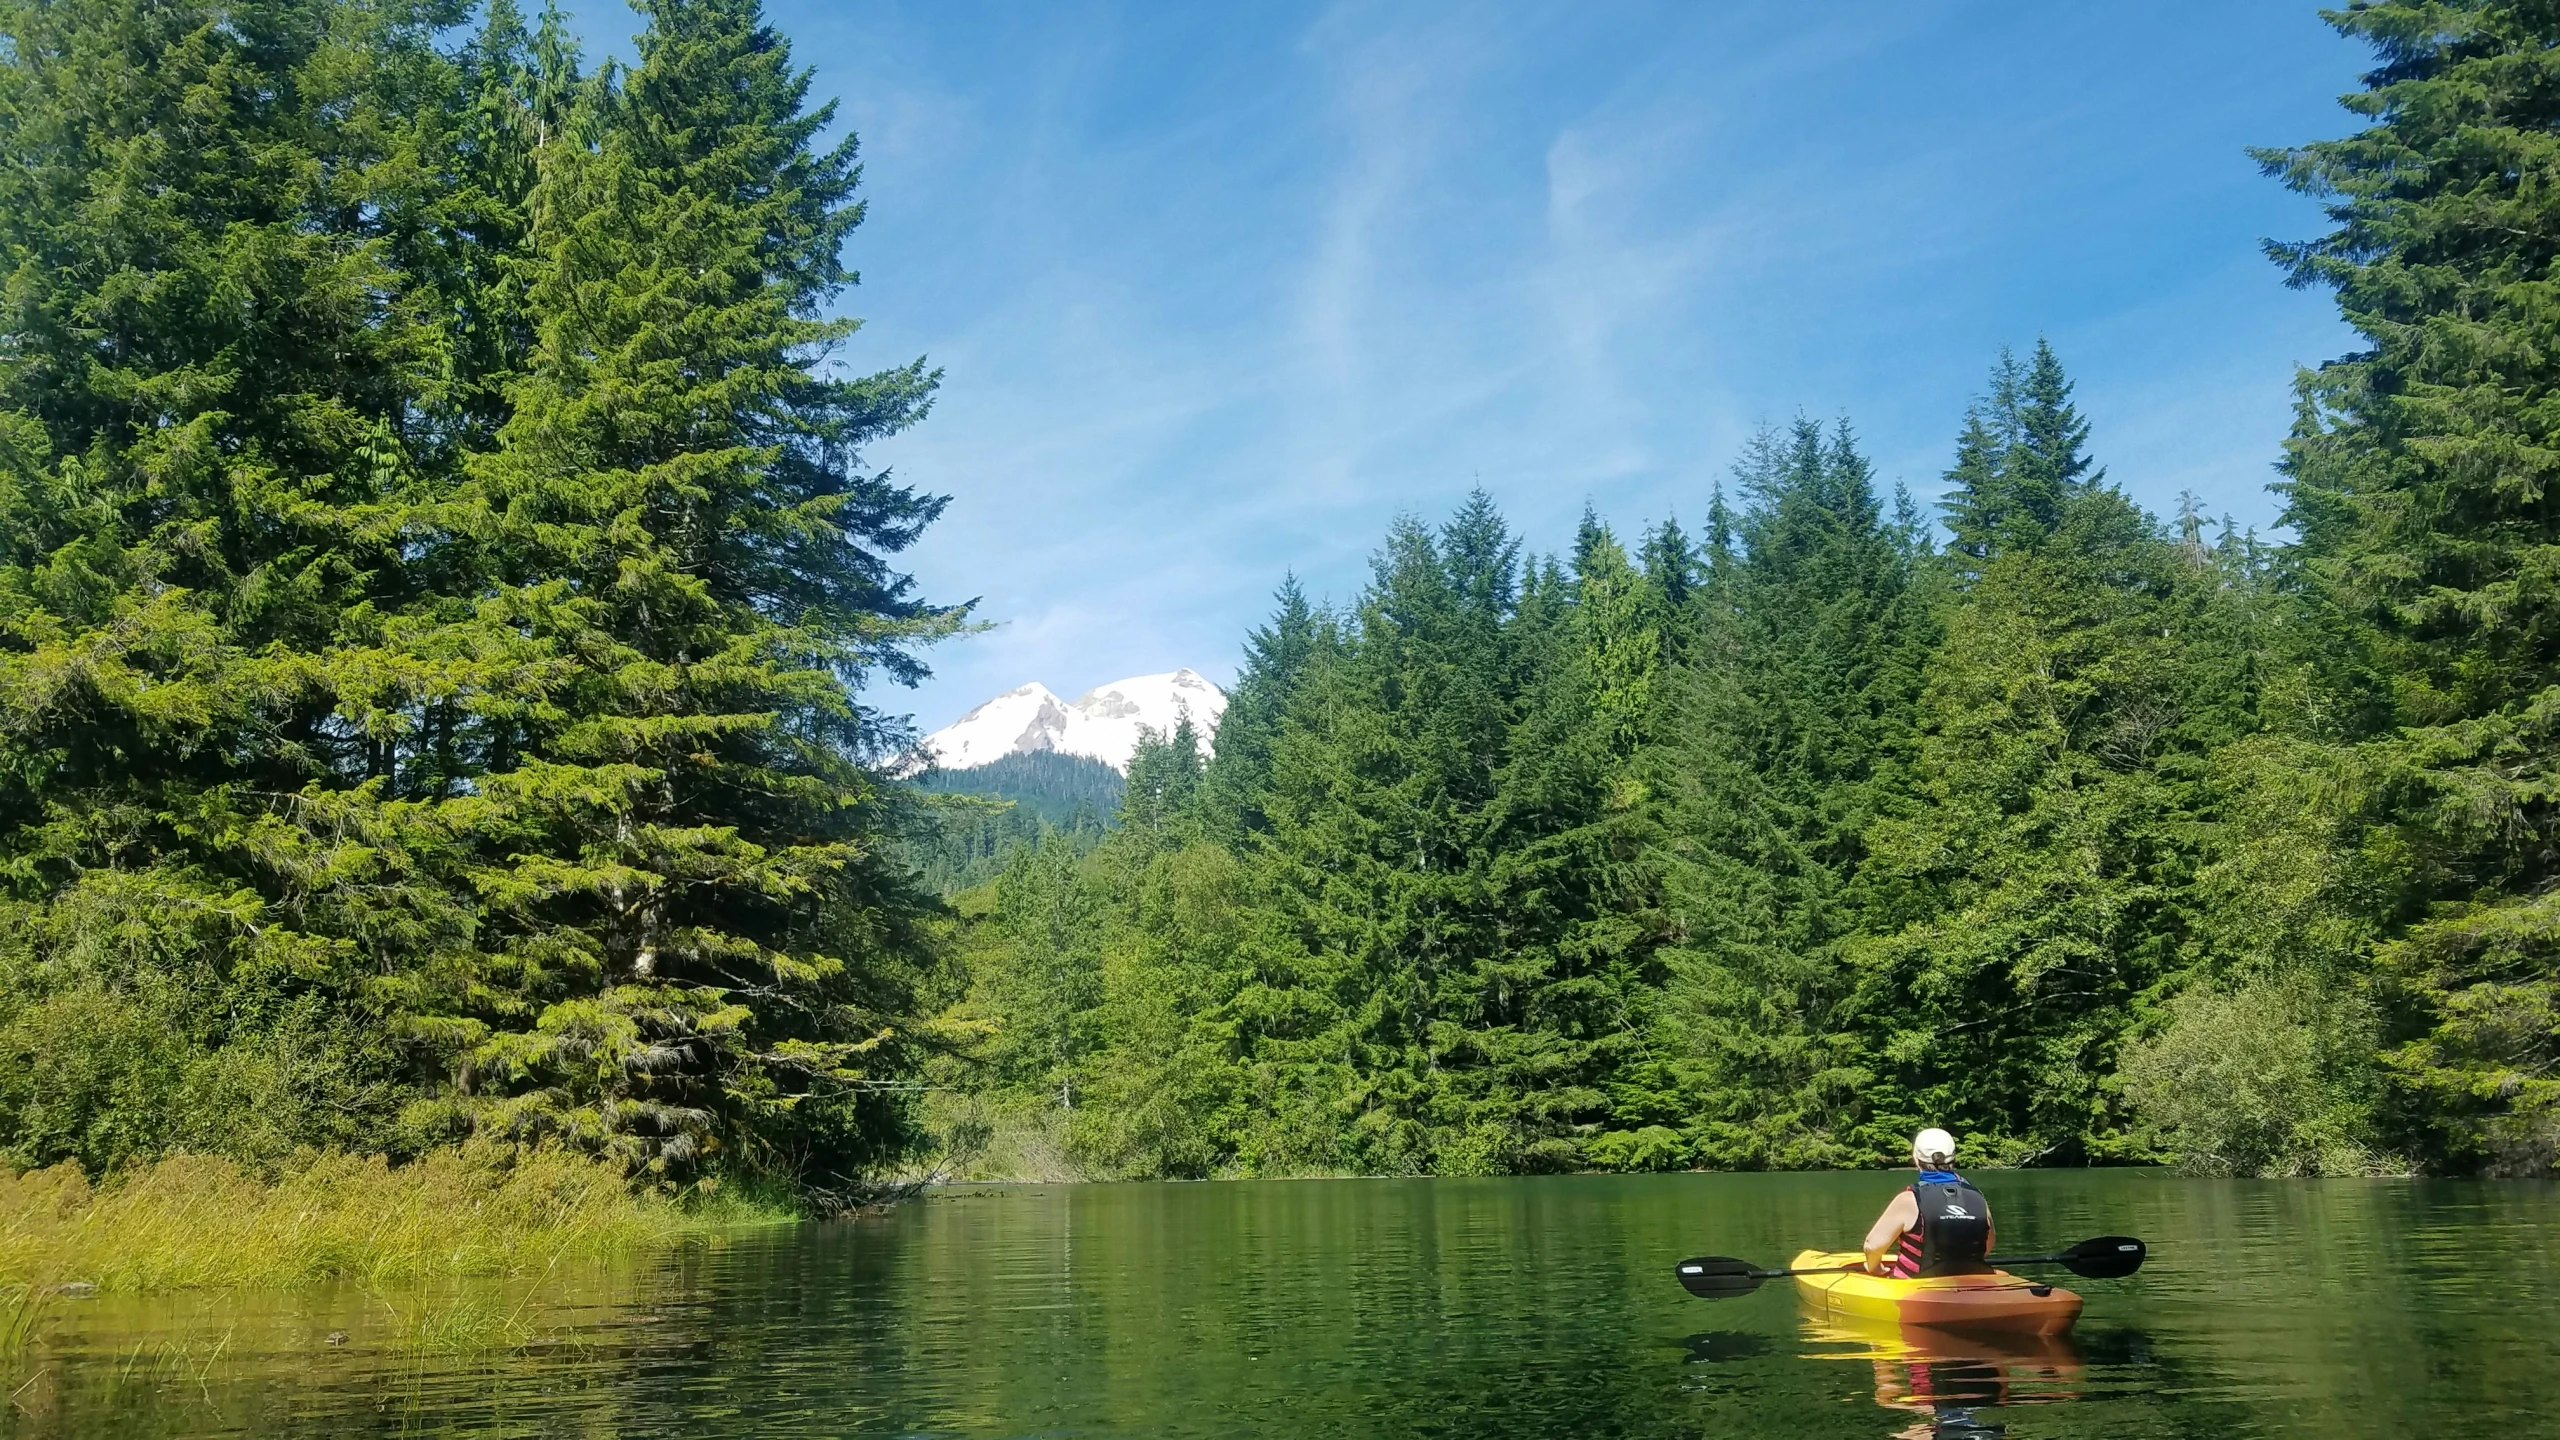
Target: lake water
x=1475 y=1308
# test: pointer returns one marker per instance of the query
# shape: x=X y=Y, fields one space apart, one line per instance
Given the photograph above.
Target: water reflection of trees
x=1484 y=1309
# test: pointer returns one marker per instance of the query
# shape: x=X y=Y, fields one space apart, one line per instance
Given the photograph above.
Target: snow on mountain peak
x=1102 y=723
x=1027 y=717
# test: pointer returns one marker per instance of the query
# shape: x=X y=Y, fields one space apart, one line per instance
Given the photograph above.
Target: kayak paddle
x=1719 y=1277
x=2109 y=1257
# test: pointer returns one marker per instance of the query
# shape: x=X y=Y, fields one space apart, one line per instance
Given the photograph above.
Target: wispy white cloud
x=1218 y=293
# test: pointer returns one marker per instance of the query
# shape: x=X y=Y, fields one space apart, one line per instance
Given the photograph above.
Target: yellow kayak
x=1995 y=1300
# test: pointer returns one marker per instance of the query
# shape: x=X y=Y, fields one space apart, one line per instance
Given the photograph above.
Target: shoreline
x=198 y=1222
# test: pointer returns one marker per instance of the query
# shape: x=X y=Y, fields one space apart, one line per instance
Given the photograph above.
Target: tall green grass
x=193 y=1221
x=22 y=1309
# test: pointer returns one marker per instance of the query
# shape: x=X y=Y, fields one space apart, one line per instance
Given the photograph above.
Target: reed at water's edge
x=196 y=1221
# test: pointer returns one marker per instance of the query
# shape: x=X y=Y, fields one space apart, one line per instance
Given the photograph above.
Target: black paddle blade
x=2109 y=1257
x=1718 y=1277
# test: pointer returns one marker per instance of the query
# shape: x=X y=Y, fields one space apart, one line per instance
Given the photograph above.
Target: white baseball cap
x=1933 y=1144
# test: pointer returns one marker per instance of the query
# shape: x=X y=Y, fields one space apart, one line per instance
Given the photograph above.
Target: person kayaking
x=1938 y=1225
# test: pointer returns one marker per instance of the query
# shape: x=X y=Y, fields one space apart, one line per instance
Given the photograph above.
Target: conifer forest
x=451 y=633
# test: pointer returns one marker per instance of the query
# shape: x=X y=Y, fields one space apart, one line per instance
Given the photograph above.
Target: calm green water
x=1494 y=1308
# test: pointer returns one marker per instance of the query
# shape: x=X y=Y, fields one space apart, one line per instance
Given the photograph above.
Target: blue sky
x=1220 y=289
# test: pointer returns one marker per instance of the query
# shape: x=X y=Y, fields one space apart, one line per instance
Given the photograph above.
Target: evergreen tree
x=434 y=628
x=2419 y=480
x=1163 y=793
x=1430 y=988
x=1793 y=735
x=1672 y=561
x=1580 y=802
x=212 y=373
x=1052 y=919
x=2037 y=899
x=1276 y=657
x=468 y=243
x=1673 y=569
x=1616 y=641
x=695 y=936
x=2020 y=462
x=1166 y=1079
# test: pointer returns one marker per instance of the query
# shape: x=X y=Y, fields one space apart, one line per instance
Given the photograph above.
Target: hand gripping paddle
x=1720 y=1277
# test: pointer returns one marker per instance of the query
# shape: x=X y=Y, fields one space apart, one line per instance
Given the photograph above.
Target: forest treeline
x=2078 y=831
x=2085 y=834
x=1762 y=848
x=1006 y=804
x=442 y=600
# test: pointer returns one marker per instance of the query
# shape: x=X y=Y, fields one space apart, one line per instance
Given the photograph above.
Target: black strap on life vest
x=1954 y=1233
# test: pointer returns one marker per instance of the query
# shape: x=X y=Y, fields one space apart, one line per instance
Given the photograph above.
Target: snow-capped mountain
x=1102 y=723
x=1026 y=718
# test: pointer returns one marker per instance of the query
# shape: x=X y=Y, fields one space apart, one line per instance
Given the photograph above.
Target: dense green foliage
x=2083 y=836
x=1758 y=853
x=439 y=583
x=2416 y=766
x=436 y=577
x=1039 y=796
x=1042 y=784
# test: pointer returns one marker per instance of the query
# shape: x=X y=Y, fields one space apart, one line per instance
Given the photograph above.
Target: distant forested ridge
x=441 y=595
x=1037 y=796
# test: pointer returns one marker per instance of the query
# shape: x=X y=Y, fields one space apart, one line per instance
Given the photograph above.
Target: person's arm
x=1886 y=1233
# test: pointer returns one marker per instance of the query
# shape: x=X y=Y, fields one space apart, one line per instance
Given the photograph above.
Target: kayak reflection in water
x=1938 y=1225
x=1950 y=1380
x=1952 y=1384
x=1951 y=1422
x=1950 y=1393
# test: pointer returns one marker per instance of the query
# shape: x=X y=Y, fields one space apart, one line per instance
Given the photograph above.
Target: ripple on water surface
x=1480 y=1308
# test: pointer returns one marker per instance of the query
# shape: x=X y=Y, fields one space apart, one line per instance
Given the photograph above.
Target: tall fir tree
x=2020 y=462
x=2039 y=896
x=2419 y=479
x=1673 y=569
x=1794 y=732
x=1435 y=1007
x=217 y=387
x=1276 y=656
x=434 y=634
x=695 y=936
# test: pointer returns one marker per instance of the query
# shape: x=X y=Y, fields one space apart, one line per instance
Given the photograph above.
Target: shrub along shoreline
x=197 y=1221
